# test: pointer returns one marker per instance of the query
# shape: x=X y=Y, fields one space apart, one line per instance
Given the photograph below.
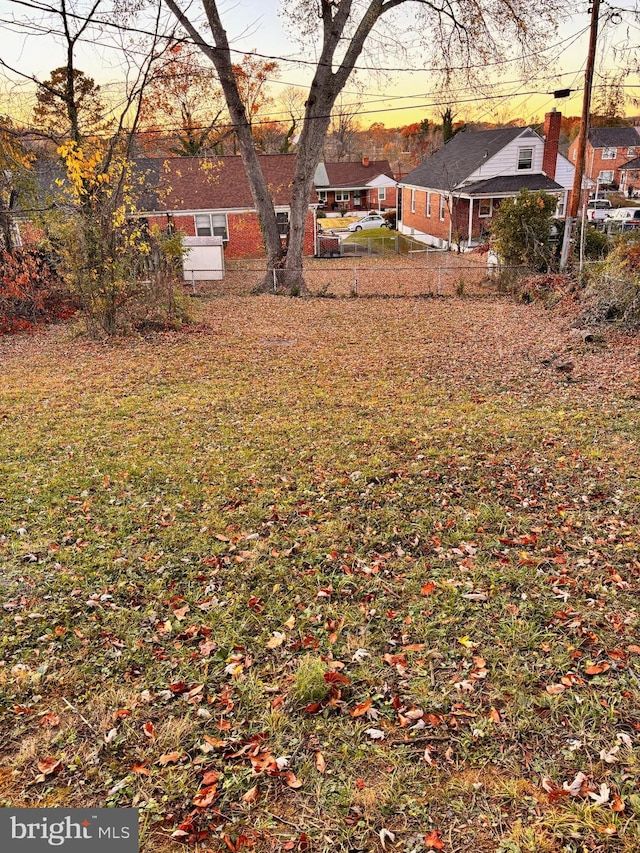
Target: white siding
x=505 y=162
x=564 y=172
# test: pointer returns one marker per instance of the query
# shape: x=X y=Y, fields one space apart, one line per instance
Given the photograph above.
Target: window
x=609 y=153
x=413 y=201
x=605 y=176
x=342 y=195
x=382 y=193
x=560 y=206
x=212 y=225
x=322 y=195
x=428 y=206
x=283 y=223
x=525 y=158
x=484 y=207
x=441 y=211
x=631 y=152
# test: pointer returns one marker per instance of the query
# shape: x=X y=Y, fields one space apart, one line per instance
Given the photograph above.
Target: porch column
x=470 y=220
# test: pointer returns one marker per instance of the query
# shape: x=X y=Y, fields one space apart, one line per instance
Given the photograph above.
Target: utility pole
x=576 y=193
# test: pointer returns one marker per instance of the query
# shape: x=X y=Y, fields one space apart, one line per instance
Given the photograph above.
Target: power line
x=304 y=62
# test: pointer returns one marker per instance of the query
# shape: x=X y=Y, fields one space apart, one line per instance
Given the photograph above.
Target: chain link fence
x=419 y=274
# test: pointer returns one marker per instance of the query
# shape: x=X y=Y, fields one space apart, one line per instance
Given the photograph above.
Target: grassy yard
x=333 y=575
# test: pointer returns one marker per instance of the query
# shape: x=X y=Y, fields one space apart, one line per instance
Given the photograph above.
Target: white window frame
x=210 y=223
x=343 y=195
x=282 y=219
x=441 y=210
x=412 y=204
x=489 y=212
x=322 y=195
x=631 y=151
x=428 y=205
x=560 y=211
x=523 y=159
x=609 y=153
x=382 y=193
x=605 y=176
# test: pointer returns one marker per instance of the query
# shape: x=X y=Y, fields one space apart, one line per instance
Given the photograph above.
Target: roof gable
x=353 y=175
x=462 y=156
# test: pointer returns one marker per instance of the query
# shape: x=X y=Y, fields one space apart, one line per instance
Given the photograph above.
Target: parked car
x=597 y=209
x=623 y=218
x=374 y=220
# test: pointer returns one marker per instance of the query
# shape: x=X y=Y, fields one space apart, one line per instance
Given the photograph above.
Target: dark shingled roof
x=461 y=156
x=354 y=175
x=210 y=183
x=511 y=184
x=632 y=165
x=614 y=137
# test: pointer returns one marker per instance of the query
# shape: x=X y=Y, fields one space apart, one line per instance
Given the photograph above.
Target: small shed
x=204 y=259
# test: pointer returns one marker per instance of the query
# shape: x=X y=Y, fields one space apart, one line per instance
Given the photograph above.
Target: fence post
x=354 y=290
x=275 y=280
x=439 y=280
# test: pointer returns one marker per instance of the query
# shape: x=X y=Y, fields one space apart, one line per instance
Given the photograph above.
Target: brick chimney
x=365 y=162
x=551 y=139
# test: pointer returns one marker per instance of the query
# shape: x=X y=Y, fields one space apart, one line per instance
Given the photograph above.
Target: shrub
x=390 y=217
x=30 y=291
x=612 y=292
x=521 y=230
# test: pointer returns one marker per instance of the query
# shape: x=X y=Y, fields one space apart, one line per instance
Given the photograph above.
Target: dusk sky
x=395 y=99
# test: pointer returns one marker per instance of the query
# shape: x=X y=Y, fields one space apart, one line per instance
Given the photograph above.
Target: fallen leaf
x=361 y=708
x=169 y=758
x=601 y=796
x=141 y=769
x=428 y=588
x=385 y=834
x=205 y=797
x=251 y=796
x=596 y=669
x=276 y=640
x=433 y=840
x=321 y=764
x=375 y=734
x=49 y=720
x=150 y=730
x=292 y=780
x=50 y=765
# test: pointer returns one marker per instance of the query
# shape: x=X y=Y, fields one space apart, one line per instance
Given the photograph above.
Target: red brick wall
x=594 y=164
x=419 y=220
x=245 y=237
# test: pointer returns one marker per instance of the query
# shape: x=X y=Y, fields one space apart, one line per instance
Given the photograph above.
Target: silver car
x=373 y=220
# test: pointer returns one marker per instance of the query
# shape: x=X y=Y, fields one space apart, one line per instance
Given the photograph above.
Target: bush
x=390 y=216
x=612 y=292
x=521 y=230
x=321 y=214
x=30 y=291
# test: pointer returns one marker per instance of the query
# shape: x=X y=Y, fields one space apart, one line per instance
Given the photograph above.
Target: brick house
x=356 y=186
x=210 y=196
x=449 y=199
x=607 y=149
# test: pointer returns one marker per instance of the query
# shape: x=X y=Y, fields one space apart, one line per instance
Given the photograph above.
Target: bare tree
x=342 y=137
x=456 y=31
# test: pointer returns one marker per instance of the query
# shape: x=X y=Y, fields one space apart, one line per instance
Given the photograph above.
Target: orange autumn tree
x=183 y=108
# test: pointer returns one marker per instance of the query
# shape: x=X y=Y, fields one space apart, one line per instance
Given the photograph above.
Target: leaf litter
x=409 y=495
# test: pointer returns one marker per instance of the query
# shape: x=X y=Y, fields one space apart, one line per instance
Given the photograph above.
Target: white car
x=598 y=209
x=373 y=220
